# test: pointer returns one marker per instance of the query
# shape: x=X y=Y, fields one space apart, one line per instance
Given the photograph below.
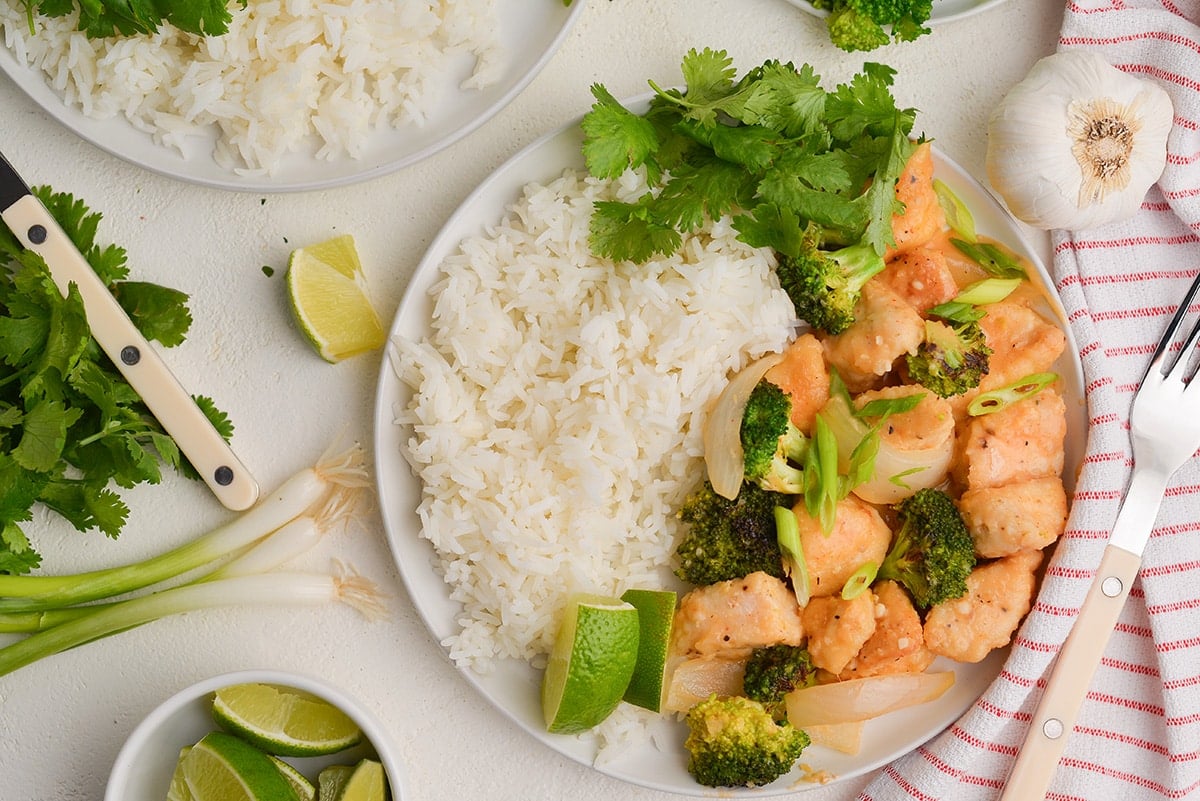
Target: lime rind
x=224 y=767
x=656 y=617
x=590 y=664
x=284 y=722
x=305 y=790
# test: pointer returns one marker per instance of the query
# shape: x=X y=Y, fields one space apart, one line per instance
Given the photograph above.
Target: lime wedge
x=591 y=663
x=305 y=790
x=222 y=767
x=364 y=782
x=178 y=791
x=332 y=780
x=284 y=721
x=329 y=299
x=656 y=615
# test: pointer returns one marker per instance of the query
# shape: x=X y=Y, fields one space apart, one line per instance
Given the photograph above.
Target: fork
x=1164 y=427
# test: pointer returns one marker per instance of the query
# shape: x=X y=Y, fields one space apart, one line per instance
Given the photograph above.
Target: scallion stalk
x=787 y=533
x=342 y=586
x=298 y=494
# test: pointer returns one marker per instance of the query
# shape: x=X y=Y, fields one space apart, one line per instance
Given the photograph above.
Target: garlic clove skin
x=1077 y=143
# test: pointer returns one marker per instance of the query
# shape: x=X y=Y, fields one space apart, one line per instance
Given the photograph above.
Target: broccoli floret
x=773 y=672
x=932 y=551
x=824 y=285
x=863 y=24
x=734 y=742
x=770 y=440
x=952 y=359
x=728 y=539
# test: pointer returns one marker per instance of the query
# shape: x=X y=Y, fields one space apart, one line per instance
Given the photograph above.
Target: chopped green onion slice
x=989 y=290
x=1002 y=398
x=996 y=260
x=862 y=462
x=898 y=479
x=958 y=216
x=787 y=532
x=886 y=407
x=859 y=580
x=821 y=475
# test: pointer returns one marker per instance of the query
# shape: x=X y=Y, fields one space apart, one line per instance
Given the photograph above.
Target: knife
x=117 y=336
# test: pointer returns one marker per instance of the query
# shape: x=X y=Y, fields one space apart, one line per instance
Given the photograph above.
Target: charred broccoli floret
x=734 y=742
x=824 y=285
x=728 y=539
x=863 y=24
x=770 y=441
x=932 y=551
x=773 y=672
x=952 y=359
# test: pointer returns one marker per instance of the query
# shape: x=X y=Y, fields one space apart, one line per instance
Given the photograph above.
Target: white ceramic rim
x=961 y=9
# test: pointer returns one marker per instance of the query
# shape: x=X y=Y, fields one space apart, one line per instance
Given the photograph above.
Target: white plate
x=514 y=686
x=531 y=32
x=943 y=10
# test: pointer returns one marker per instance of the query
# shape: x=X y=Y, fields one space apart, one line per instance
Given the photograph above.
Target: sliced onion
x=694 y=680
x=723 y=454
x=863 y=699
x=843 y=737
x=898 y=473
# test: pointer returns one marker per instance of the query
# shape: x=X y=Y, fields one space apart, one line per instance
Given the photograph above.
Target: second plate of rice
x=298 y=95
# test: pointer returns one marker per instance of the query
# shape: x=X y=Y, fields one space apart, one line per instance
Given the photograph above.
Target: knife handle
x=1055 y=715
x=141 y=365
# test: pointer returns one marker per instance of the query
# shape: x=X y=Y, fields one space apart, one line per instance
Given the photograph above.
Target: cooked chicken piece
x=1022 y=342
x=922 y=217
x=922 y=277
x=837 y=629
x=737 y=615
x=1027 y=515
x=859 y=535
x=929 y=424
x=897 y=645
x=999 y=595
x=916 y=447
x=885 y=328
x=1021 y=442
x=803 y=375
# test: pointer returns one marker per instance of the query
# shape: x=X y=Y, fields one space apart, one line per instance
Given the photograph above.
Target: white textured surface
x=65 y=718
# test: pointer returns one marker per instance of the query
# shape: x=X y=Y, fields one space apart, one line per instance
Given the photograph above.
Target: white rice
x=558 y=404
x=312 y=76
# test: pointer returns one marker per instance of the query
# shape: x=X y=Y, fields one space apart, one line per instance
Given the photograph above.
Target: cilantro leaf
x=628 y=231
x=15 y=554
x=773 y=150
x=615 y=138
x=102 y=18
x=160 y=313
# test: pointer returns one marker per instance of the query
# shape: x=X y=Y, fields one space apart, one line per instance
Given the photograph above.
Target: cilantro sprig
x=102 y=18
x=773 y=149
x=71 y=427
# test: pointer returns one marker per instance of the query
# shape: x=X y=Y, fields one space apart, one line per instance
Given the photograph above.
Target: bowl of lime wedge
x=258 y=735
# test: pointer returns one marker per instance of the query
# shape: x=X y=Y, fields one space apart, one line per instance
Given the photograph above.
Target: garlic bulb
x=1077 y=143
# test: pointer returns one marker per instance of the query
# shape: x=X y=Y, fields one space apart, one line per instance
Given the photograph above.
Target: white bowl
x=145 y=764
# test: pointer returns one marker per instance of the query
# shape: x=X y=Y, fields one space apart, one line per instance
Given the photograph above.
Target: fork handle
x=1055 y=715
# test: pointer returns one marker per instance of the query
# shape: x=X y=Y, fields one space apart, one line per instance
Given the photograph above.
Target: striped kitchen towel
x=1138 y=735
